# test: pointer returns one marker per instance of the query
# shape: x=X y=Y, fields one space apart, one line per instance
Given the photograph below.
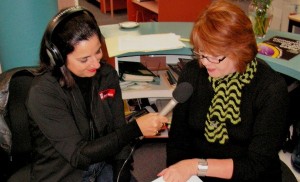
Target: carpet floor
x=104 y=19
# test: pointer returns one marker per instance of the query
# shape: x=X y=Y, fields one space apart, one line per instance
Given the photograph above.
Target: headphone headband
x=64 y=15
x=52 y=51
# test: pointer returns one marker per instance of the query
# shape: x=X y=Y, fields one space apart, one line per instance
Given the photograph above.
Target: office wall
x=281 y=11
x=66 y=3
x=22 y=24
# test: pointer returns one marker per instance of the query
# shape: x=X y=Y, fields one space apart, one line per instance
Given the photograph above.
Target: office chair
x=16 y=165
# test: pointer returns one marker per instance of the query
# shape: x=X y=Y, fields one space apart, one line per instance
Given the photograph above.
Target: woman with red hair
x=234 y=124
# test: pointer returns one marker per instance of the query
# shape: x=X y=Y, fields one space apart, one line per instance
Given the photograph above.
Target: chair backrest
x=17 y=121
x=17 y=117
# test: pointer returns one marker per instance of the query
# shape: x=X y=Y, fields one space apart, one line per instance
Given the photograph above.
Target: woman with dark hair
x=234 y=124
x=75 y=107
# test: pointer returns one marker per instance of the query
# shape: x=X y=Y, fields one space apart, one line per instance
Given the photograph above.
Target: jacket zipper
x=92 y=129
x=91 y=125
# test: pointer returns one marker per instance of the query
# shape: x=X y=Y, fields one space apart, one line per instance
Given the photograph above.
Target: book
x=183 y=61
x=279 y=47
x=135 y=71
x=154 y=63
x=175 y=68
x=172 y=80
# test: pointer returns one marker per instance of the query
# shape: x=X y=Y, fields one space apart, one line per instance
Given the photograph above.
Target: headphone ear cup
x=56 y=59
x=54 y=55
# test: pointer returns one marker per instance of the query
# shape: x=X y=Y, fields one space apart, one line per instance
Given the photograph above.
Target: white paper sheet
x=151 y=42
x=192 y=179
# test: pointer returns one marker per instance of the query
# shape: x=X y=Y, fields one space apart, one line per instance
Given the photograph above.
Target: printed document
x=192 y=179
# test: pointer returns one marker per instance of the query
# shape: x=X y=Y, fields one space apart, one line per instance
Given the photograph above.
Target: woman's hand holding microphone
x=151 y=123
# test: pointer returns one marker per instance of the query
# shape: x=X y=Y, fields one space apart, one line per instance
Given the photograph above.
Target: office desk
x=183 y=29
x=155 y=91
x=290 y=68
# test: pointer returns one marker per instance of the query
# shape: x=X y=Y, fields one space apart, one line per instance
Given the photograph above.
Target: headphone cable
x=130 y=154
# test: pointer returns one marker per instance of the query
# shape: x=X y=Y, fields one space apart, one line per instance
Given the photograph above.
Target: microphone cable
x=127 y=159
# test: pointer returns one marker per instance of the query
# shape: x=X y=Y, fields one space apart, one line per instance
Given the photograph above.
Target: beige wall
x=281 y=11
x=66 y=3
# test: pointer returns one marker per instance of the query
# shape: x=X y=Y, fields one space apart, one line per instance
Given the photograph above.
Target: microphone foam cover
x=182 y=92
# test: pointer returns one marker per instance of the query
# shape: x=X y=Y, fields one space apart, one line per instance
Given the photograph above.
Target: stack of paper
x=143 y=43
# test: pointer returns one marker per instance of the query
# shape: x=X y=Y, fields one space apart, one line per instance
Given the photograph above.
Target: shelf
x=149 y=5
x=164 y=10
x=111 y=5
x=163 y=90
x=142 y=11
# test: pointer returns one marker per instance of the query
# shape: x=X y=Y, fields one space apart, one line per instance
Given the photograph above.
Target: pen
x=166 y=126
x=184 y=40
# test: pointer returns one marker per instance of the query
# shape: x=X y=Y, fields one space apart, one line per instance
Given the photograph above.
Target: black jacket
x=60 y=126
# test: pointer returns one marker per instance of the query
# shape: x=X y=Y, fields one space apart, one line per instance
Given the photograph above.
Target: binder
x=135 y=71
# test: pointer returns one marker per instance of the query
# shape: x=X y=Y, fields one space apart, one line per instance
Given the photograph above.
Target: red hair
x=224 y=29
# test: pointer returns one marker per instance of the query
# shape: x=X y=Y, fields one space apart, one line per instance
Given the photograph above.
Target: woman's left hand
x=181 y=171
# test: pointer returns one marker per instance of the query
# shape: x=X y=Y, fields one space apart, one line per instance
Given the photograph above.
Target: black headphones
x=55 y=56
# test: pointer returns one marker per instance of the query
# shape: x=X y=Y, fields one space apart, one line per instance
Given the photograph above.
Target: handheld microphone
x=182 y=93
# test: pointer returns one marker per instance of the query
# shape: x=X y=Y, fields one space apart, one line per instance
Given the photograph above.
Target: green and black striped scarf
x=225 y=105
